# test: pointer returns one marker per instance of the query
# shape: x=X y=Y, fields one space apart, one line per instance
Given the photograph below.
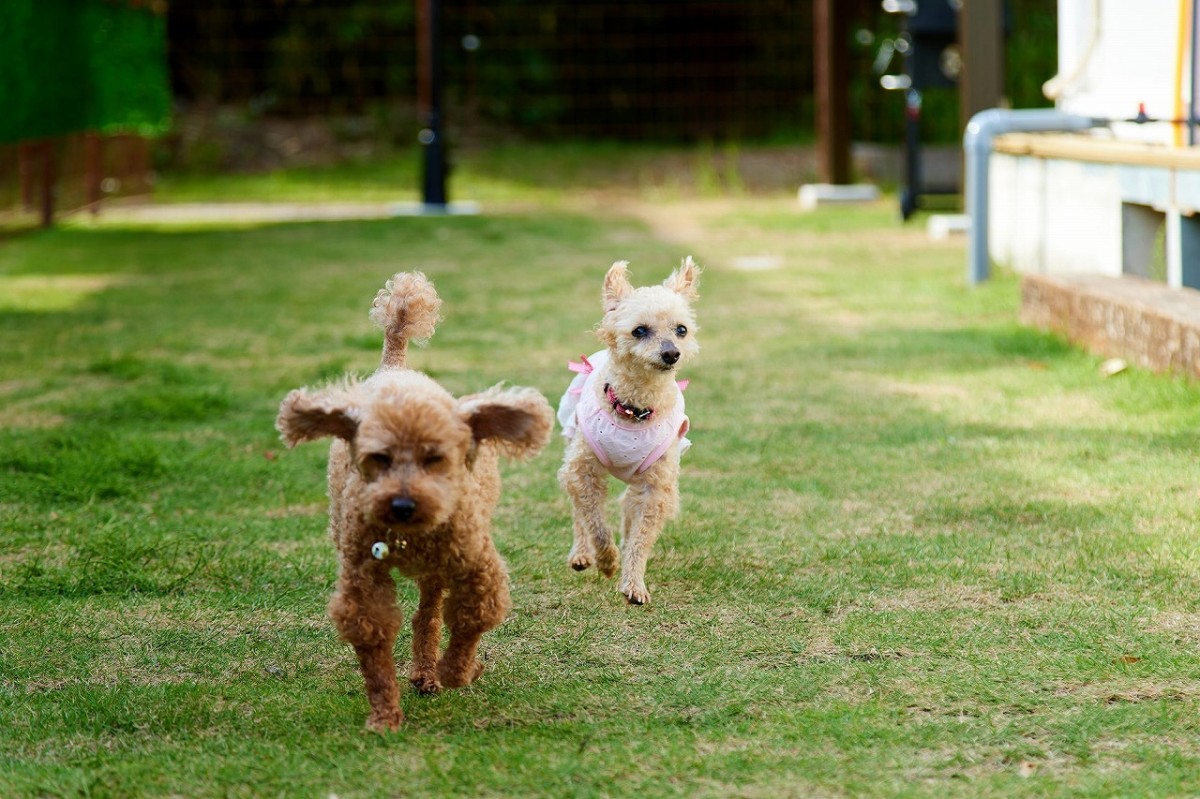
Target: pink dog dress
x=625 y=448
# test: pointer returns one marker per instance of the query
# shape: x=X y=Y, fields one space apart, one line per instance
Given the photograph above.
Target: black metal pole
x=911 y=193
x=433 y=182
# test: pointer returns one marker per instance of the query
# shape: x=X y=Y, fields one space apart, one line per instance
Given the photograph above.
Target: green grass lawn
x=520 y=174
x=923 y=551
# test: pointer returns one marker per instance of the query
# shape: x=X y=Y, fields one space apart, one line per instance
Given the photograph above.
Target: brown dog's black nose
x=403 y=508
x=670 y=354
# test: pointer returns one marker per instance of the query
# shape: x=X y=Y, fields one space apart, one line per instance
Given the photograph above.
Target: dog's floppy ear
x=683 y=280
x=308 y=415
x=519 y=420
x=616 y=285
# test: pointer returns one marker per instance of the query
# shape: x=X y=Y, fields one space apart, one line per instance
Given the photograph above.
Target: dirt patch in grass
x=1186 y=625
x=939 y=598
x=50 y=293
x=295 y=511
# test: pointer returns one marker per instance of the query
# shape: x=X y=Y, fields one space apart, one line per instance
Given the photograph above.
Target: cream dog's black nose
x=670 y=354
x=403 y=508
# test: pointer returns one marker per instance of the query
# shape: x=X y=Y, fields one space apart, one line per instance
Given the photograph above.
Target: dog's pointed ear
x=684 y=279
x=616 y=285
x=519 y=420
x=308 y=415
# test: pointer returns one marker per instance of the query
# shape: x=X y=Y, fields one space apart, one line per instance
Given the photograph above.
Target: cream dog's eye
x=681 y=331
x=641 y=331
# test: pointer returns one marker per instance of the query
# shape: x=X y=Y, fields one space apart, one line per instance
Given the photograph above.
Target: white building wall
x=1015 y=200
x=1061 y=216
x=1049 y=215
x=1116 y=54
x=1082 y=218
x=1030 y=212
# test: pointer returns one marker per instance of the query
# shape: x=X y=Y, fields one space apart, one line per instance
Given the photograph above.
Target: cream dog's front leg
x=647 y=505
x=586 y=482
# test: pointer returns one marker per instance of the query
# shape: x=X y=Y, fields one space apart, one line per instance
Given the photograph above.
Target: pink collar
x=628 y=411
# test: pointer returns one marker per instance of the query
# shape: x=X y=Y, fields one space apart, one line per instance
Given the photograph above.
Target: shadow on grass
x=958 y=349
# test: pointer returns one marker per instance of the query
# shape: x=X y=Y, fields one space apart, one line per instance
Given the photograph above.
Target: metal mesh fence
x=682 y=69
x=281 y=77
x=597 y=69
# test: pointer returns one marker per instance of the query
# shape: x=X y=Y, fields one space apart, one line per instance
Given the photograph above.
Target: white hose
x=1060 y=84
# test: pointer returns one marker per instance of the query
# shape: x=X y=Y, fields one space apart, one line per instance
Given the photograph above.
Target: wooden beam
x=981 y=44
x=830 y=74
x=49 y=178
x=93 y=158
x=1076 y=147
x=27 y=159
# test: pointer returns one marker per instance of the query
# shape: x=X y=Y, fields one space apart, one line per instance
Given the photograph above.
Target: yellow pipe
x=1185 y=26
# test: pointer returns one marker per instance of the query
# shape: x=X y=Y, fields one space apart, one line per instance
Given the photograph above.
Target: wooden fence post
x=27 y=155
x=93 y=157
x=49 y=178
x=832 y=88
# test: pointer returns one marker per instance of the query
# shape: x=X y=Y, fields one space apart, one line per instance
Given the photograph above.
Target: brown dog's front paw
x=459 y=678
x=425 y=684
x=385 y=721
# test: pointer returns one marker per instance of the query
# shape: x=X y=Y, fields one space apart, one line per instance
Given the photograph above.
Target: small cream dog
x=413 y=480
x=623 y=415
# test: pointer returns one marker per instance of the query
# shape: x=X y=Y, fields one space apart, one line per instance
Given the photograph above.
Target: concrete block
x=815 y=195
x=942 y=226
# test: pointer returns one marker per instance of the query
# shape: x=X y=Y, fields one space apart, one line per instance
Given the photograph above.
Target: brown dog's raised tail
x=407 y=308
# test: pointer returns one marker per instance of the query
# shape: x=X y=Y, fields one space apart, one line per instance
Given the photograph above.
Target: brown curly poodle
x=413 y=480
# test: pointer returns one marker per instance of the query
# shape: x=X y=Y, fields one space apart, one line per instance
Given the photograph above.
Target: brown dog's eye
x=641 y=331
x=380 y=460
x=432 y=459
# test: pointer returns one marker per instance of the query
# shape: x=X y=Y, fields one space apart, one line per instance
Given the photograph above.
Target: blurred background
x=113 y=95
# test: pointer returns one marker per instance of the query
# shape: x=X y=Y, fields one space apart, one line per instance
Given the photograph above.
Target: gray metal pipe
x=983 y=128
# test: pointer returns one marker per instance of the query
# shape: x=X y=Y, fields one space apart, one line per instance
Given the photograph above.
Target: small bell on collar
x=379 y=550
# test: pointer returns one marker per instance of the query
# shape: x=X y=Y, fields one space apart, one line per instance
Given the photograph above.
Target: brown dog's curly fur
x=416 y=469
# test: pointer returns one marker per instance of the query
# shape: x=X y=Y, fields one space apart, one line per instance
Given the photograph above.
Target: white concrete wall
x=1016 y=215
x=1057 y=216
x=1083 y=218
x=1054 y=216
